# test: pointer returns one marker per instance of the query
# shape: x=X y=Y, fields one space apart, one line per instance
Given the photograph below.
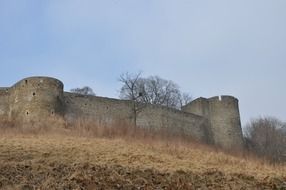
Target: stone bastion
x=213 y=120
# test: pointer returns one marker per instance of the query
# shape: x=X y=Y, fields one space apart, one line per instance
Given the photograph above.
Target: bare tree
x=132 y=89
x=83 y=91
x=151 y=90
x=266 y=137
x=185 y=99
x=162 y=92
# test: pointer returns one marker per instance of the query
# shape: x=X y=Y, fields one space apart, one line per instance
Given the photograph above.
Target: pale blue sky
x=208 y=47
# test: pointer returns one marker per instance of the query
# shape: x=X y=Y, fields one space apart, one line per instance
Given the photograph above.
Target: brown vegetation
x=86 y=156
x=266 y=137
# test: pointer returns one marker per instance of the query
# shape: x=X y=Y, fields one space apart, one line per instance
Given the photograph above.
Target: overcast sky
x=208 y=47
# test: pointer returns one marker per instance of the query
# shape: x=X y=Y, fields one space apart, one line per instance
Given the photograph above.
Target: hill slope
x=65 y=162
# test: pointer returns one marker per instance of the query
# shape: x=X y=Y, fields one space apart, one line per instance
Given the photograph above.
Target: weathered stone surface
x=224 y=119
x=215 y=120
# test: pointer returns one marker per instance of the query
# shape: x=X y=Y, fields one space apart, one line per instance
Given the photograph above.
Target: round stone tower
x=35 y=99
x=225 y=122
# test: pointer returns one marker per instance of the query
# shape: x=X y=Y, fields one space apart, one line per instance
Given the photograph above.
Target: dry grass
x=139 y=154
x=125 y=146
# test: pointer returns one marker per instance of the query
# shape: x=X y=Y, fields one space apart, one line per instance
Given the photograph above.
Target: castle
x=214 y=120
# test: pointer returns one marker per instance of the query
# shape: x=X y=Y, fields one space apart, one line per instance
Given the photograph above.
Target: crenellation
x=215 y=120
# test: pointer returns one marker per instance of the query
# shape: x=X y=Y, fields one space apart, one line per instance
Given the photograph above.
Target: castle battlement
x=214 y=120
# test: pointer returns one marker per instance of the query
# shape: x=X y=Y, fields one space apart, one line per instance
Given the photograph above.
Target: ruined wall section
x=36 y=98
x=4 y=103
x=175 y=121
x=100 y=109
x=107 y=110
x=199 y=106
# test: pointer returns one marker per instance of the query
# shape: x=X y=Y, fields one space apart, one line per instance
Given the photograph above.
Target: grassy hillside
x=69 y=161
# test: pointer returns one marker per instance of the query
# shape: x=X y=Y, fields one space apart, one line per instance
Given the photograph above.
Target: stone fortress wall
x=214 y=120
